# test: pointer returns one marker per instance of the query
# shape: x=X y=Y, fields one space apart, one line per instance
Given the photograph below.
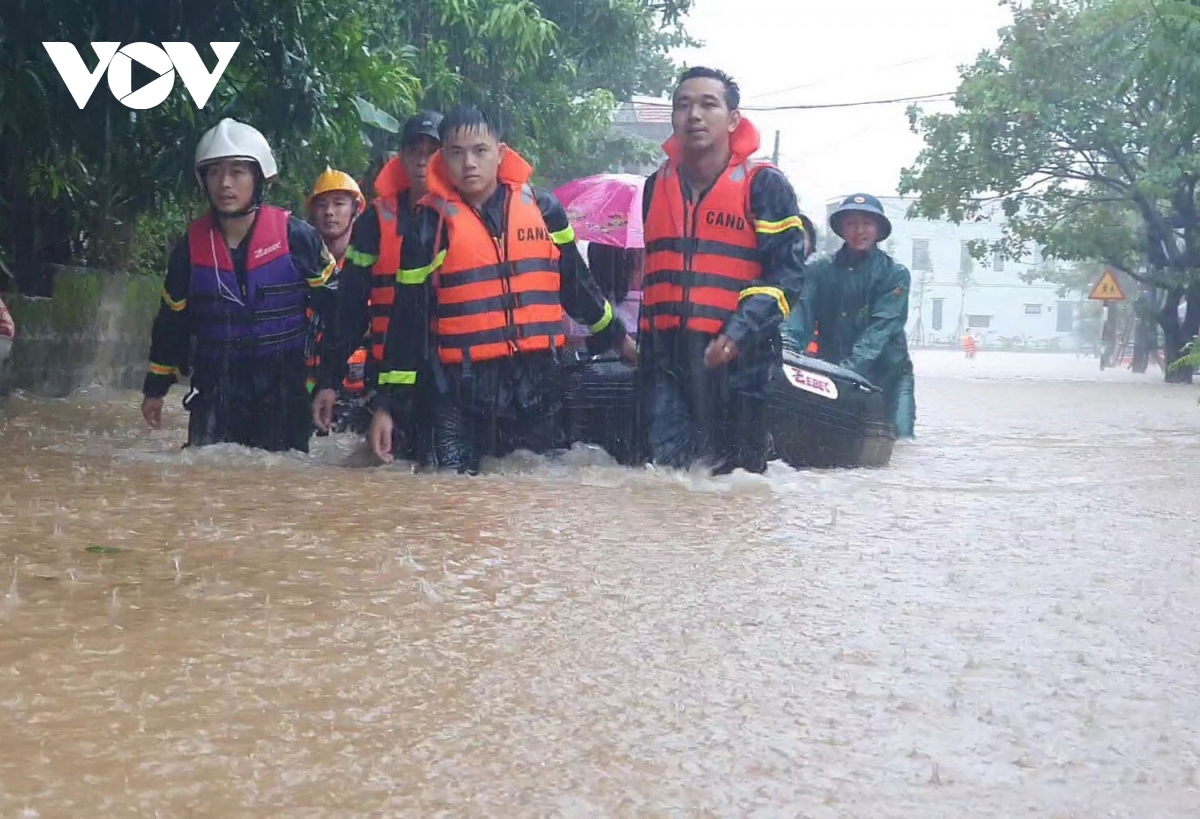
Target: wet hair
x=466 y=117
x=733 y=94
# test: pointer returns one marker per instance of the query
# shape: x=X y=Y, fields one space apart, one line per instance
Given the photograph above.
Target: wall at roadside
x=95 y=329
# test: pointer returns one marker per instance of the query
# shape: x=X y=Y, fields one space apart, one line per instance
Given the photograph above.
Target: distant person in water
x=239 y=284
x=857 y=300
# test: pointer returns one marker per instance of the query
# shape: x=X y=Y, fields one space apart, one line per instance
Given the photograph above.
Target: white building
x=953 y=293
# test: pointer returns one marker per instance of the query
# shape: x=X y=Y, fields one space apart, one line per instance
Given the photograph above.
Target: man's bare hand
x=380 y=435
x=720 y=352
x=152 y=411
x=322 y=409
x=627 y=349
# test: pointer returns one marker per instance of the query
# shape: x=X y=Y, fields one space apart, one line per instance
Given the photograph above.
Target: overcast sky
x=785 y=53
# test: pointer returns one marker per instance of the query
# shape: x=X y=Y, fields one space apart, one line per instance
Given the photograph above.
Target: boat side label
x=811 y=382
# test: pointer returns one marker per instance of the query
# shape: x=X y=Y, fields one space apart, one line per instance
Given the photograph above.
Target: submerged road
x=1002 y=623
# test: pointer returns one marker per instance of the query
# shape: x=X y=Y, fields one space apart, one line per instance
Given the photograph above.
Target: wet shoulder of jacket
x=303 y=238
x=179 y=255
x=552 y=209
x=420 y=228
x=364 y=235
x=647 y=192
x=817 y=264
x=900 y=271
x=771 y=192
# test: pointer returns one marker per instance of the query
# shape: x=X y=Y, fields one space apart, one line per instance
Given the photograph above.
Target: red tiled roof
x=649 y=112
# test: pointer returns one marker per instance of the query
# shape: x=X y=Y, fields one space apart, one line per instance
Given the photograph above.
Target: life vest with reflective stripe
x=496 y=297
x=699 y=257
x=383 y=273
x=269 y=318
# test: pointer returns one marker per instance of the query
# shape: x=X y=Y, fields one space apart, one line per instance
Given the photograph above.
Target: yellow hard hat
x=332 y=180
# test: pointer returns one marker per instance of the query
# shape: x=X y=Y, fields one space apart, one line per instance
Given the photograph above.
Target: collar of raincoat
x=513 y=172
x=393 y=179
x=743 y=143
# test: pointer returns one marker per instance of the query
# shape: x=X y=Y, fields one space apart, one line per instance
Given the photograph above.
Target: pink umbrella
x=606 y=208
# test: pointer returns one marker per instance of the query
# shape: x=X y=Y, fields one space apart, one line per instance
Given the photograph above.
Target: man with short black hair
x=724 y=262
x=367 y=280
x=488 y=269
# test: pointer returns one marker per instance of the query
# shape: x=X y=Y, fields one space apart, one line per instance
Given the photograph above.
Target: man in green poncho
x=855 y=306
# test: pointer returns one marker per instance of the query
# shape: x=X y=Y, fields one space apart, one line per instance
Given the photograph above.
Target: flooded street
x=1002 y=623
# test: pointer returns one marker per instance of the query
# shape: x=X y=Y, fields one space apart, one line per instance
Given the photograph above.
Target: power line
x=825 y=80
x=921 y=98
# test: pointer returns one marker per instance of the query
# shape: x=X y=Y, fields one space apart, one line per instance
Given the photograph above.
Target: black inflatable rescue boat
x=822 y=416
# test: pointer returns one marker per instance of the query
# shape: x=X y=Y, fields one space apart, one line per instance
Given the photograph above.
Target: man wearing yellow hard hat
x=334 y=204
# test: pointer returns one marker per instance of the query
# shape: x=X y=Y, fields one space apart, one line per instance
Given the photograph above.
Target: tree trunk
x=1145 y=329
x=1177 y=336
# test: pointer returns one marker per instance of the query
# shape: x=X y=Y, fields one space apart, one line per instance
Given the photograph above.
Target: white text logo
x=263 y=251
x=118 y=62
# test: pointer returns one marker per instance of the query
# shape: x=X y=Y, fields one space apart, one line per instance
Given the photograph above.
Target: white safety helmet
x=231 y=139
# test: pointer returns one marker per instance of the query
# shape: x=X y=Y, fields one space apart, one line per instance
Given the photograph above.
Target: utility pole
x=775 y=154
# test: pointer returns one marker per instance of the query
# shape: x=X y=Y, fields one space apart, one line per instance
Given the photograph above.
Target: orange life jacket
x=390 y=186
x=699 y=258
x=355 y=382
x=496 y=297
x=814 y=346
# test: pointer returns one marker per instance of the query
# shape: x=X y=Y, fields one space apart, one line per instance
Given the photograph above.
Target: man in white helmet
x=238 y=285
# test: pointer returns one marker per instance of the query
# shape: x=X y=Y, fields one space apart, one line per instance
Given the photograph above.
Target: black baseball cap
x=422 y=123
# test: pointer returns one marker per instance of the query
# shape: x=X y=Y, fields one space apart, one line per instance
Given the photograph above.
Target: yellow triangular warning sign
x=1107 y=289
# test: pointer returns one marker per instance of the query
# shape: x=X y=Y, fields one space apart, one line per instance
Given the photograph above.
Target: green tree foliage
x=327 y=82
x=1081 y=125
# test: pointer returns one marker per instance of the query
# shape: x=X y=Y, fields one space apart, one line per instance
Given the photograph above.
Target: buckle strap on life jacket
x=692 y=246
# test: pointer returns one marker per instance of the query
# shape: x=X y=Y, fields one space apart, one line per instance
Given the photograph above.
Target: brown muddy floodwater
x=1003 y=623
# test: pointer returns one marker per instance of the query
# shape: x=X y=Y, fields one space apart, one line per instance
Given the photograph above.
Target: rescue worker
x=238 y=284
x=858 y=300
x=724 y=262
x=368 y=278
x=488 y=267
x=333 y=205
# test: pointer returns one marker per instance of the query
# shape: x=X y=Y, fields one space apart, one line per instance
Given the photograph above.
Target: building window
x=979 y=322
x=998 y=262
x=965 y=262
x=1033 y=309
x=920 y=259
x=1064 y=317
x=937 y=313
